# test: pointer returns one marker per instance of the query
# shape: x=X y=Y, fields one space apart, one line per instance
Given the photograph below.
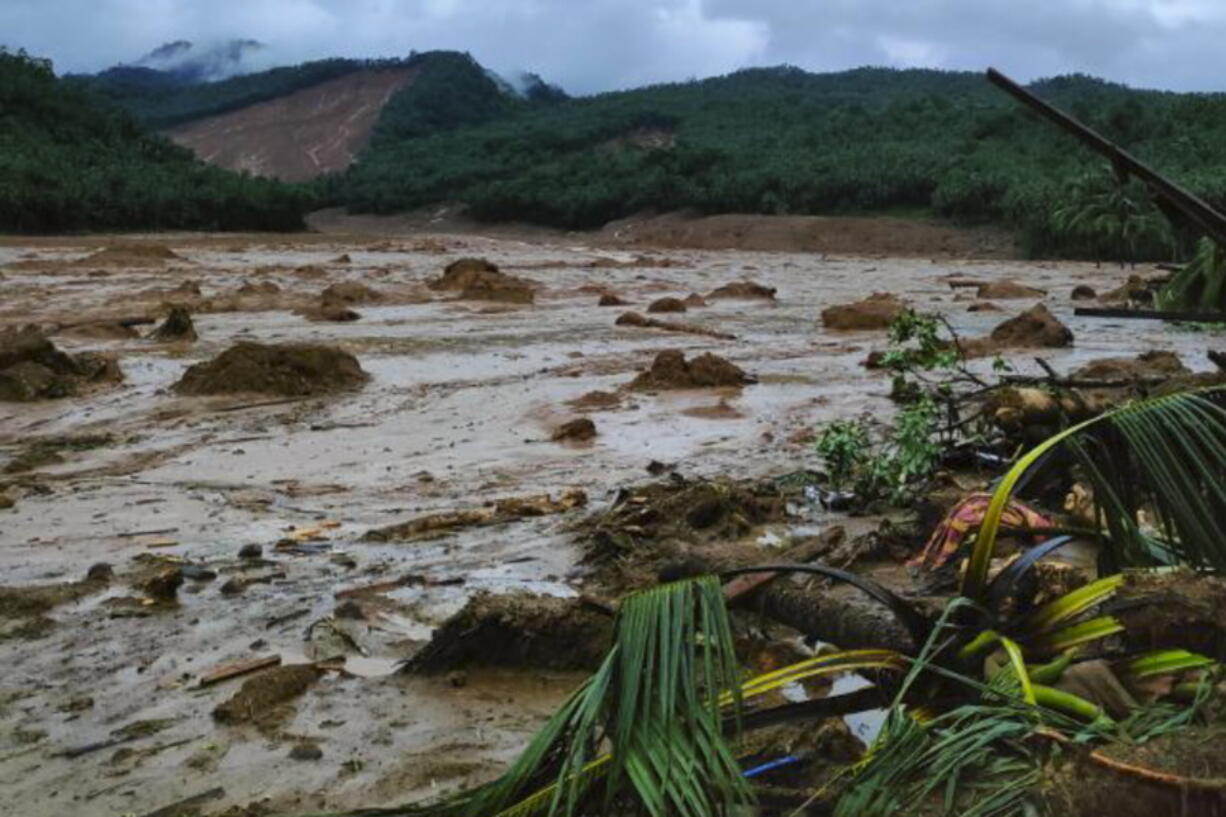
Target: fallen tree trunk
x=841 y=616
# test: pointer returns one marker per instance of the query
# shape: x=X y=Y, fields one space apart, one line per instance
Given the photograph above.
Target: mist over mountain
x=190 y=62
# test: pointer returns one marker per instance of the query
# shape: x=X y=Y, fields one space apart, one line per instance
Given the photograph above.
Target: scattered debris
x=635 y=319
x=288 y=369
x=671 y=370
x=238 y=668
x=502 y=510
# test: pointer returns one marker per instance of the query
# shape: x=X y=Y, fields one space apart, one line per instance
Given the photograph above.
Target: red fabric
x=963 y=521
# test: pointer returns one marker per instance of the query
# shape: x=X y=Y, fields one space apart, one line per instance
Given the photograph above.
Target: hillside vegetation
x=780 y=140
x=68 y=162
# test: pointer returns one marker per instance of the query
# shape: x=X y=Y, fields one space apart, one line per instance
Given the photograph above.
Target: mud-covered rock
x=609 y=299
x=671 y=370
x=287 y=369
x=517 y=629
x=876 y=311
x=1082 y=292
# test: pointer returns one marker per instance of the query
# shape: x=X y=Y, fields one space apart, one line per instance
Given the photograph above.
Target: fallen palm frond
x=1164 y=457
x=1200 y=286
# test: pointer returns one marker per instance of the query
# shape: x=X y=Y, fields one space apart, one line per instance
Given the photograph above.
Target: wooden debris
x=233 y=670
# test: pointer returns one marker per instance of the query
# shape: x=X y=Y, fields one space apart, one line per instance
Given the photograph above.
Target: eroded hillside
x=294 y=138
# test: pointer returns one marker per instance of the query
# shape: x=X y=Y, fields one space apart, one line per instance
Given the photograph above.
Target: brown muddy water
x=459 y=411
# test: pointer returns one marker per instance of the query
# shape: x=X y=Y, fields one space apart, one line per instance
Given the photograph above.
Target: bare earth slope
x=300 y=136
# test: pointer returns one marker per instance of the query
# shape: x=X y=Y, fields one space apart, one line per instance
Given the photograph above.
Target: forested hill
x=69 y=162
x=781 y=140
x=459 y=90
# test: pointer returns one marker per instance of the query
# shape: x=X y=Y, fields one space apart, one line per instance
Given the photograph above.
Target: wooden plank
x=227 y=671
x=1150 y=314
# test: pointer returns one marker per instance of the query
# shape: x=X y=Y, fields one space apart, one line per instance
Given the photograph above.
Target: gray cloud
x=595 y=45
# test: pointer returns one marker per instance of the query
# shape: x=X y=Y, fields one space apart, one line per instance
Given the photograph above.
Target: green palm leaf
x=1166 y=456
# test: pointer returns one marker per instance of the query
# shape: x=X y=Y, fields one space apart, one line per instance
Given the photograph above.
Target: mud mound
x=635 y=319
x=577 y=430
x=652 y=526
x=876 y=311
x=885 y=236
x=289 y=369
x=609 y=299
x=596 y=400
x=101 y=330
x=1155 y=364
x=1034 y=327
x=32 y=368
x=1081 y=292
x=671 y=370
x=178 y=326
x=331 y=312
x=666 y=305
x=744 y=290
x=1006 y=290
x=693 y=300
x=23 y=609
x=462 y=273
x=260 y=697
x=258 y=288
x=983 y=306
x=349 y=292
x=517 y=630
x=130 y=255
x=477 y=279
x=720 y=411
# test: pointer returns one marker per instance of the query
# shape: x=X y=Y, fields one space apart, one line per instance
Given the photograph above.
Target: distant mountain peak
x=190 y=62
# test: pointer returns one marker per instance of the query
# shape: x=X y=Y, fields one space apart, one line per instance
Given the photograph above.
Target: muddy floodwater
x=101 y=709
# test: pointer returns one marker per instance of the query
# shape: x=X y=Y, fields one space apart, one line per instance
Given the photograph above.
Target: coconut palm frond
x=1163 y=458
x=656 y=701
x=1200 y=286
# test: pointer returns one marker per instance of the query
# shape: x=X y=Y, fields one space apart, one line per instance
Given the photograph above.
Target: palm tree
x=1104 y=211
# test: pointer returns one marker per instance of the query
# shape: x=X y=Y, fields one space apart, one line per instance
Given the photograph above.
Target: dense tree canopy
x=70 y=163
x=781 y=140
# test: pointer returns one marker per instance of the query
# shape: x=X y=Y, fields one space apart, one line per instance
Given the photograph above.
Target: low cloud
x=595 y=45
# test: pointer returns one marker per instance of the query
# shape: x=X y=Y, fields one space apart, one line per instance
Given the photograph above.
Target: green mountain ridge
x=70 y=163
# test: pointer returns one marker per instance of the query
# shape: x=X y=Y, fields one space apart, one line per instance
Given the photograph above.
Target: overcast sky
x=595 y=45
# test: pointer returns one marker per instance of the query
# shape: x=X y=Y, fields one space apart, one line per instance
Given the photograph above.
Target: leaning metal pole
x=1189 y=206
